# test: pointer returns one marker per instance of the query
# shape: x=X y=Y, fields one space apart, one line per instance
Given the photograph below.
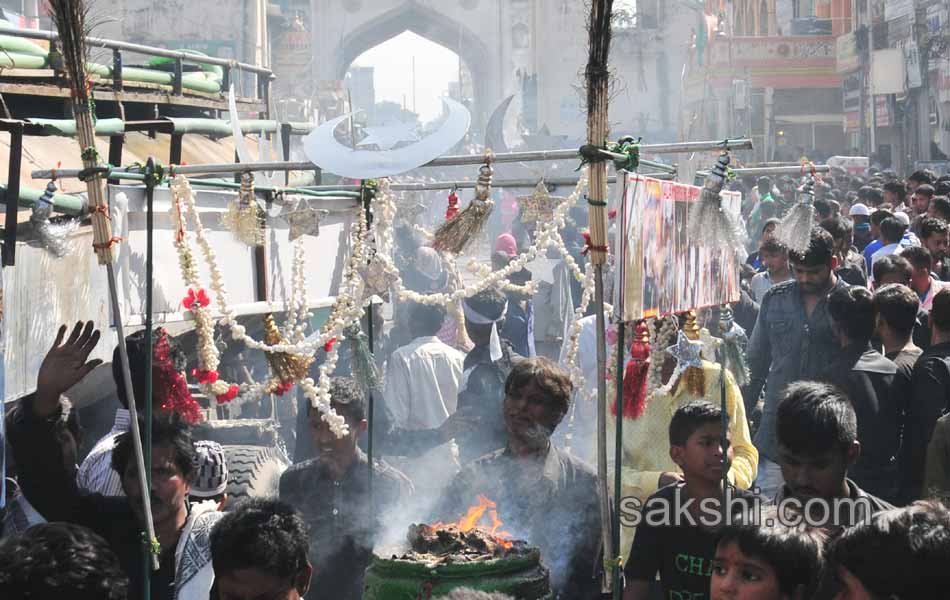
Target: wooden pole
x=597 y=80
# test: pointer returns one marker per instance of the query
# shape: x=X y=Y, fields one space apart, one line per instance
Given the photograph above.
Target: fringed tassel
x=244 y=218
x=458 y=232
x=363 y=365
x=794 y=231
x=635 y=379
x=708 y=222
x=734 y=345
x=289 y=368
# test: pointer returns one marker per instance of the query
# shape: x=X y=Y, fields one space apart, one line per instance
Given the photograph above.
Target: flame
x=474 y=514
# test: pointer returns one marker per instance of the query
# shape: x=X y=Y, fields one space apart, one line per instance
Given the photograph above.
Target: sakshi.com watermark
x=750 y=509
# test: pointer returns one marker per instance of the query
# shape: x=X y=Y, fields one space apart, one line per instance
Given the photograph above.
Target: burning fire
x=474 y=514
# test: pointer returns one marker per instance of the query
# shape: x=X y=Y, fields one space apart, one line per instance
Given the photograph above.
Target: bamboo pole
x=597 y=80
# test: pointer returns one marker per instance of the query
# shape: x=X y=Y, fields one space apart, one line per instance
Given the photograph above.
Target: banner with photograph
x=661 y=271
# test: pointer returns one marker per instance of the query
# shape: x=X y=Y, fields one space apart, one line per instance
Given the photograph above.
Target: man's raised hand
x=64 y=366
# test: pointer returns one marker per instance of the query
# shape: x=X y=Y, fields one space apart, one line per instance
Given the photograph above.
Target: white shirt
x=422 y=383
x=879 y=254
x=96 y=474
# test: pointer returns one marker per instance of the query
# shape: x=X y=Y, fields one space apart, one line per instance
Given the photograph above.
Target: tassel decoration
x=694 y=377
x=244 y=218
x=457 y=233
x=734 y=345
x=635 y=378
x=286 y=367
x=708 y=222
x=794 y=231
x=453 y=207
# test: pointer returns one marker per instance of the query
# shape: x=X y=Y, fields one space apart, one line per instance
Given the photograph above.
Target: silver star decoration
x=686 y=352
x=385 y=137
x=710 y=344
x=304 y=221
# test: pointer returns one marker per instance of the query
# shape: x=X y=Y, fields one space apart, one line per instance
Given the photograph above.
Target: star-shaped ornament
x=386 y=137
x=540 y=205
x=710 y=344
x=686 y=352
x=304 y=221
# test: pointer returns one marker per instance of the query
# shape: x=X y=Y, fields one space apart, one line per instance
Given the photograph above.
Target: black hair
x=875 y=196
x=930 y=226
x=814 y=418
x=918 y=257
x=489 y=302
x=548 y=376
x=346 y=398
x=900 y=553
x=892 y=230
x=795 y=552
x=878 y=216
x=840 y=228
x=898 y=306
x=940 y=310
x=822 y=208
x=821 y=249
x=167 y=428
x=690 y=417
x=941 y=188
x=926 y=189
x=941 y=205
x=261 y=533
x=60 y=560
x=922 y=176
x=852 y=310
x=892 y=263
x=135 y=347
x=426 y=319
x=772 y=246
x=896 y=187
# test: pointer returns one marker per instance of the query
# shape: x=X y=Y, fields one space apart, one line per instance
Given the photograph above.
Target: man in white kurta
x=422 y=384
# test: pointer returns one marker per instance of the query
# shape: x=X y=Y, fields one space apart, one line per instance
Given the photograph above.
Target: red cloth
x=506 y=243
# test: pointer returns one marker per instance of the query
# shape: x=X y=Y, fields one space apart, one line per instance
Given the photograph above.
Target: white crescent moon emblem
x=323 y=149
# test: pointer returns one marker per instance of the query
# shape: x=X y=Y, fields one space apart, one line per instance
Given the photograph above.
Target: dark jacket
x=878 y=392
x=930 y=399
x=481 y=395
x=343 y=524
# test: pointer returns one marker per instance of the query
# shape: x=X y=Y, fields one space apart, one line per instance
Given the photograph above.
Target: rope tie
x=105 y=246
x=588 y=245
x=103 y=210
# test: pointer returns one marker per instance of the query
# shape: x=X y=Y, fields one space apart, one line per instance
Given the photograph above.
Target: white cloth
x=881 y=253
x=422 y=385
x=494 y=344
x=96 y=474
x=194 y=574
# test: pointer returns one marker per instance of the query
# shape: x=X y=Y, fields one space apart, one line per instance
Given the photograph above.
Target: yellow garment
x=646 y=445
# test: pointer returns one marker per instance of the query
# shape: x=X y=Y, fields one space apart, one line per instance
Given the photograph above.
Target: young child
x=771 y=561
x=675 y=536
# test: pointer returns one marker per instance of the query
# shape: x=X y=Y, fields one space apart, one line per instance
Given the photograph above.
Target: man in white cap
x=861 y=216
x=211 y=482
x=482 y=389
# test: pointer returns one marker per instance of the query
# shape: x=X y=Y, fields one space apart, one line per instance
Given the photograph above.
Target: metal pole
x=445 y=161
x=149 y=279
x=757 y=171
x=12 y=194
x=618 y=435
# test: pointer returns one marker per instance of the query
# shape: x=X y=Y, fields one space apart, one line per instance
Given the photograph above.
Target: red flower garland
x=229 y=395
x=170 y=385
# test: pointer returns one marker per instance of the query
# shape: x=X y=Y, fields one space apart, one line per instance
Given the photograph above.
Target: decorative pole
x=597 y=81
x=70 y=19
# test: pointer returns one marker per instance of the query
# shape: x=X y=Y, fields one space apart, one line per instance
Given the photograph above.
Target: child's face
x=701 y=457
x=737 y=576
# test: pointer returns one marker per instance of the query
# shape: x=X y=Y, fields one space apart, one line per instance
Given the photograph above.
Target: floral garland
x=208 y=356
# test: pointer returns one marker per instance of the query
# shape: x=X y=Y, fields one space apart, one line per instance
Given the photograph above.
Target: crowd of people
x=819 y=475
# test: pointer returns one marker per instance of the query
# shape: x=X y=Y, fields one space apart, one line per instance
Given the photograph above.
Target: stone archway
x=425 y=21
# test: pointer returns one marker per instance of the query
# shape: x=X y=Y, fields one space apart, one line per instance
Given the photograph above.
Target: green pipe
x=217 y=127
x=20 y=45
x=215 y=70
x=13 y=60
x=67 y=127
x=62 y=203
x=231 y=185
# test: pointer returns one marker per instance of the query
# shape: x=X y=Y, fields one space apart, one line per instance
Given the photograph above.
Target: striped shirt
x=96 y=475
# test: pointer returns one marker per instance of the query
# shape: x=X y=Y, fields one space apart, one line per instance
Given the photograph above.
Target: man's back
x=929 y=400
x=422 y=383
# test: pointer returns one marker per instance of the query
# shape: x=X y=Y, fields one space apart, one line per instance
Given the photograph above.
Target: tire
x=254 y=471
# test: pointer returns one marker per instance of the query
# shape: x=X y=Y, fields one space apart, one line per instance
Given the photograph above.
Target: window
x=804 y=8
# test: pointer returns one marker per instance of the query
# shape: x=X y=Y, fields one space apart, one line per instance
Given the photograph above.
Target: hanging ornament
x=455 y=235
x=539 y=206
x=304 y=220
x=734 y=345
x=711 y=345
x=453 y=208
x=378 y=279
x=51 y=236
x=244 y=218
x=794 y=230
x=288 y=368
x=635 y=374
x=708 y=223
x=694 y=375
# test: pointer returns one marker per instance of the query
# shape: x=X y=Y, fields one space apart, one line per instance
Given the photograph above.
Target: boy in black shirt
x=677 y=534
